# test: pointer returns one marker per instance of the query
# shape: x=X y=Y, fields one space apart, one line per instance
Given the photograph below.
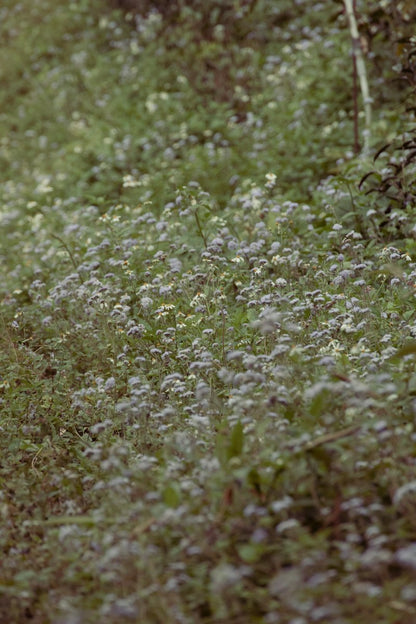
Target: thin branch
x=67 y=249
x=355 y=101
x=361 y=71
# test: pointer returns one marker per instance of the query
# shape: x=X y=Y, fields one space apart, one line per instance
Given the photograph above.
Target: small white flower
x=270 y=180
x=130 y=182
x=237 y=260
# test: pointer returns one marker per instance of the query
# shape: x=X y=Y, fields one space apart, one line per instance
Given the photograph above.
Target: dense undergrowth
x=207 y=322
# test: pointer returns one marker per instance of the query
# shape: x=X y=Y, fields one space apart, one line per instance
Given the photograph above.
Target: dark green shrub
x=386 y=30
x=206 y=15
x=393 y=183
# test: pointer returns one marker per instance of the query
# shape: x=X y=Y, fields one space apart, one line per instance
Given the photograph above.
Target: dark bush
x=205 y=14
x=211 y=34
x=388 y=30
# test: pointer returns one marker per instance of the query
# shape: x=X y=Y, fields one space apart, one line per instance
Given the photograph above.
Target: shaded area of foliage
x=394 y=182
x=211 y=19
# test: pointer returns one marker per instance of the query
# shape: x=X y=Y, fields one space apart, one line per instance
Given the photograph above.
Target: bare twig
x=359 y=67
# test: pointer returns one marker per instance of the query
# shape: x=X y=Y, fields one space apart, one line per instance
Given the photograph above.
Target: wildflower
x=268 y=321
x=237 y=259
x=281 y=282
x=224 y=577
x=334 y=347
x=110 y=384
x=146 y=302
x=136 y=330
x=347 y=326
x=130 y=182
x=270 y=180
x=197 y=300
x=404 y=491
x=44 y=185
x=164 y=309
x=406 y=556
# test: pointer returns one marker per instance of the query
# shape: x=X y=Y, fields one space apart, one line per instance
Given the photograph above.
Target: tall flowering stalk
x=360 y=70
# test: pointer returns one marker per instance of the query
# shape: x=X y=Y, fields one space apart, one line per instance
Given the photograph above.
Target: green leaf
x=254 y=479
x=221 y=449
x=172 y=495
x=409 y=349
x=251 y=553
x=392 y=268
x=236 y=441
x=319 y=402
x=411 y=385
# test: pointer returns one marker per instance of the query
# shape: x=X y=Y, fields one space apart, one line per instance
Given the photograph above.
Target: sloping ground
x=207 y=412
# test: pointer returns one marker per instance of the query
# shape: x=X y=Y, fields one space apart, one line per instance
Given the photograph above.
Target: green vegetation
x=208 y=328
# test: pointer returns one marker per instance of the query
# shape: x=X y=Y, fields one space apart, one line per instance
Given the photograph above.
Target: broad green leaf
x=172 y=495
x=411 y=384
x=236 y=441
x=392 y=268
x=408 y=349
x=251 y=553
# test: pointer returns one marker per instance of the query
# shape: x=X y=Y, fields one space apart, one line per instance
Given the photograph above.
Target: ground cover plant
x=208 y=332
